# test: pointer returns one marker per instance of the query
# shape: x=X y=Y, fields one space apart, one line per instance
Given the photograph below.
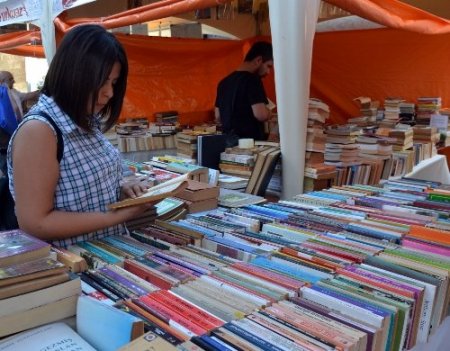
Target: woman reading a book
x=63 y=172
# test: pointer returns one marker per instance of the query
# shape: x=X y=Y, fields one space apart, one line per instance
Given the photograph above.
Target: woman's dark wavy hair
x=82 y=64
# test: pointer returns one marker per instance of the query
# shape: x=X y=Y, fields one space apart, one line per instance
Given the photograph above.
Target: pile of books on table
x=34 y=287
x=349 y=267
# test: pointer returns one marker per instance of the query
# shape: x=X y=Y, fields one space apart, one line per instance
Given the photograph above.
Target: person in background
x=241 y=102
x=66 y=201
x=18 y=99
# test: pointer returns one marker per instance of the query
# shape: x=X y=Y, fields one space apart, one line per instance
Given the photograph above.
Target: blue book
x=217 y=345
x=373 y=233
x=268 y=211
x=105 y=327
x=239 y=246
x=296 y=273
x=133 y=250
x=203 y=230
x=103 y=254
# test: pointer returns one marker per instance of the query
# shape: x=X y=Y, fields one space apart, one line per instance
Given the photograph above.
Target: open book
x=155 y=193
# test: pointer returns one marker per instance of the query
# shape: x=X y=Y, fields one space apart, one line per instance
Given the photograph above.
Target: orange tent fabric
x=395 y=14
x=180 y=74
x=378 y=63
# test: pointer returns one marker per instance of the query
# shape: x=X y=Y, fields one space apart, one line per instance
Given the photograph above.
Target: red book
x=146 y=274
x=172 y=317
x=204 y=318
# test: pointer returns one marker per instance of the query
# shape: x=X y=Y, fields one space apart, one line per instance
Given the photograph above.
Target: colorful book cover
x=17 y=246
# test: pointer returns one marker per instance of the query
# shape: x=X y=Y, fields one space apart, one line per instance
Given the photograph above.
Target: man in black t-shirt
x=241 y=100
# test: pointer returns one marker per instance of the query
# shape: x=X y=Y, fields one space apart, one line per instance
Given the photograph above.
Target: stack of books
x=199 y=197
x=238 y=161
x=427 y=106
x=232 y=182
x=186 y=142
x=35 y=289
x=368 y=109
x=391 y=111
x=403 y=138
x=407 y=112
x=170 y=117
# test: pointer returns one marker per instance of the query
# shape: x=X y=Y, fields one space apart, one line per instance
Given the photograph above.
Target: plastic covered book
x=16 y=246
x=233 y=198
x=158 y=192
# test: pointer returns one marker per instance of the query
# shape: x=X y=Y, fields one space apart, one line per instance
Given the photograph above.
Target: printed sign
x=19 y=11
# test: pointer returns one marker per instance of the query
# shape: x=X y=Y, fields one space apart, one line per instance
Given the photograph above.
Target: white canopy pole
x=293 y=25
x=45 y=22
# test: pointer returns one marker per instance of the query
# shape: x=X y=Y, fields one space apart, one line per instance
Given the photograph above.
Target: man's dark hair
x=82 y=64
x=260 y=48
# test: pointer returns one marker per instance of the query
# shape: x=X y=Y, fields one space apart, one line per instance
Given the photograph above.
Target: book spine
x=124 y=246
x=326 y=344
x=182 y=263
x=232 y=339
x=124 y=281
x=380 y=278
x=110 y=284
x=146 y=275
x=173 y=318
x=97 y=286
x=152 y=316
x=134 y=278
x=185 y=309
x=348 y=307
x=269 y=276
x=216 y=322
x=288 y=334
x=256 y=340
x=313 y=327
x=377 y=284
x=235 y=290
x=89 y=290
x=270 y=336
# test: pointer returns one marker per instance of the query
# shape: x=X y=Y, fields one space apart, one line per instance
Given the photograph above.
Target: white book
x=37 y=298
x=46 y=338
x=427 y=304
x=259 y=281
x=268 y=335
x=245 y=295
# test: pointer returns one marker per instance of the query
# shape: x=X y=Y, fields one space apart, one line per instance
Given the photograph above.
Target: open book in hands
x=155 y=193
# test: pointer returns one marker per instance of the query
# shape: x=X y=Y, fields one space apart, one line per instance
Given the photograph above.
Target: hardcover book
x=16 y=246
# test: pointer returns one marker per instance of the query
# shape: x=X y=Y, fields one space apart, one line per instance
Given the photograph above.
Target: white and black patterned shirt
x=90 y=169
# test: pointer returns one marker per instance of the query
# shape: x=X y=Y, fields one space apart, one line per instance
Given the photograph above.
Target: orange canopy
x=180 y=74
x=378 y=63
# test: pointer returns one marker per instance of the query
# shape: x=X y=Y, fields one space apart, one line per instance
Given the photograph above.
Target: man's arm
x=261 y=112
x=28 y=96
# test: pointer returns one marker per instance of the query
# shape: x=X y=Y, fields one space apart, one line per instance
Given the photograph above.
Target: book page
x=155 y=193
